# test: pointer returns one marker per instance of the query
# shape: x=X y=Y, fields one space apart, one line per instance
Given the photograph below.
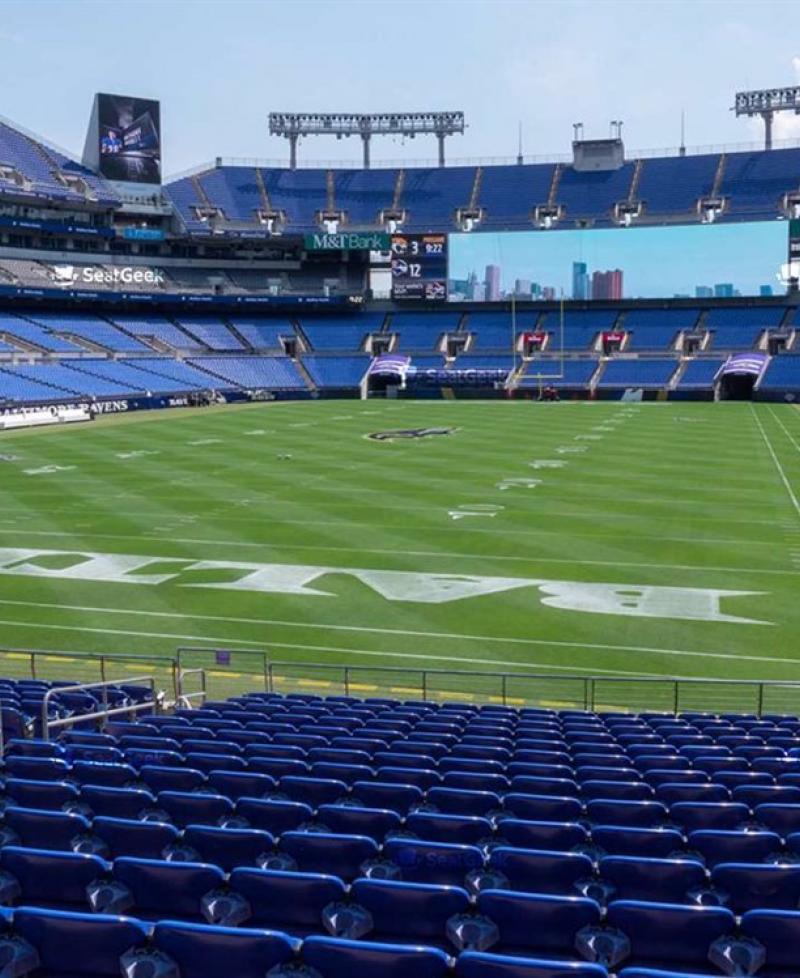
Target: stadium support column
x=767 y=117
x=293 y=151
x=441 y=137
x=365 y=136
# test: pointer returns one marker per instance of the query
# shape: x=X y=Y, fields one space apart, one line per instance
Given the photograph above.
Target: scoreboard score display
x=419 y=266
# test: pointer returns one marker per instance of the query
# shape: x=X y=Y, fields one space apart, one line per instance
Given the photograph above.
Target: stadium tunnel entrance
x=737 y=387
x=382 y=385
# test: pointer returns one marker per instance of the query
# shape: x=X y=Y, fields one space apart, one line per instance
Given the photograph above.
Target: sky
x=656 y=262
x=219 y=68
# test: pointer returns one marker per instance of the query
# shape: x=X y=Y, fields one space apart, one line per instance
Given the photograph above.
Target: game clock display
x=419 y=266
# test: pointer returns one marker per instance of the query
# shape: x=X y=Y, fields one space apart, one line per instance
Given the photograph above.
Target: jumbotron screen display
x=419 y=266
x=129 y=132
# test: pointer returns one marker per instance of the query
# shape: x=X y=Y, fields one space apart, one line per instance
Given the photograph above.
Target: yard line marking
x=785 y=430
x=413 y=633
x=787 y=485
x=426 y=553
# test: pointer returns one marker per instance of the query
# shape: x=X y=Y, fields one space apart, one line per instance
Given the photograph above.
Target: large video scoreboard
x=419 y=266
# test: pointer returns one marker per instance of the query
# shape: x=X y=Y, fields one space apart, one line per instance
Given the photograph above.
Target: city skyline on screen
x=654 y=262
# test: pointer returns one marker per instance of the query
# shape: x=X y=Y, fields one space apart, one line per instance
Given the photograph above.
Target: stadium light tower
x=293 y=125
x=766 y=102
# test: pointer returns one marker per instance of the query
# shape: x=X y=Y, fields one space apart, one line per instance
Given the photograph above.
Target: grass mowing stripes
x=672 y=495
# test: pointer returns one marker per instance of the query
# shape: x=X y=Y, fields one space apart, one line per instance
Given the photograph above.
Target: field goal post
x=541 y=377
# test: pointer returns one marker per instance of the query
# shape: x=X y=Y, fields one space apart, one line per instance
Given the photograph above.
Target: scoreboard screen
x=419 y=266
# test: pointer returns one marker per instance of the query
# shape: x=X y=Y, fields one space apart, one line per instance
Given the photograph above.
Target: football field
x=609 y=539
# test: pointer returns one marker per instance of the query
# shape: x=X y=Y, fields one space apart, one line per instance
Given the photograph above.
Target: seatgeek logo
x=94 y=275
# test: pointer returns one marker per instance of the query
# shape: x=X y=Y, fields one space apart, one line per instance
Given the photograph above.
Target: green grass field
x=696 y=497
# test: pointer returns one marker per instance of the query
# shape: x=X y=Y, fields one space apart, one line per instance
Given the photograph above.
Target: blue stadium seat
x=753 y=886
x=348 y=773
x=223 y=847
x=543 y=808
x=40 y=829
x=372 y=822
x=129 y=803
x=110 y=775
x=475 y=964
x=783 y=819
x=523 y=834
x=213 y=762
x=337 y=958
x=20 y=747
x=778 y=932
x=458 y=801
x=692 y=816
x=467 y=830
x=72 y=944
x=162 y=778
x=335 y=855
x=184 y=807
x=754 y=795
x=156 y=889
x=617 y=840
x=535 y=924
x=293 y=902
x=717 y=846
x=240 y=784
x=674 y=792
x=37 y=768
x=402 y=912
x=659 y=776
x=124 y=837
x=313 y=791
x=272 y=816
x=537 y=870
x=53 y=795
x=136 y=757
x=43 y=878
x=626 y=790
x=200 y=950
x=396 y=797
x=657 y=880
x=432 y=862
x=665 y=935
x=636 y=814
x=599 y=772
x=422 y=778
x=476 y=781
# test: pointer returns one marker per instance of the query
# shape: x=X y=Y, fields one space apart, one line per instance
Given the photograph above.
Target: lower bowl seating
x=401 y=838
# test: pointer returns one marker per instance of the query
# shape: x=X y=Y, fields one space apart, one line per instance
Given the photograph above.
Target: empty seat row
x=718 y=874
x=38 y=942
x=301 y=906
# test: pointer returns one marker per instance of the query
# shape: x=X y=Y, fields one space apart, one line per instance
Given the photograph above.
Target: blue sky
x=220 y=67
x=657 y=262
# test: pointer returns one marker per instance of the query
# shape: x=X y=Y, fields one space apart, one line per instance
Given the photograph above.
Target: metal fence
x=87 y=667
x=225 y=672
x=628 y=694
x=198 y=673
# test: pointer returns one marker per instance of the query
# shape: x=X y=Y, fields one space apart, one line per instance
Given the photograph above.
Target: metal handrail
x=230 y=650
x=47 y=725
x=184 y=698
